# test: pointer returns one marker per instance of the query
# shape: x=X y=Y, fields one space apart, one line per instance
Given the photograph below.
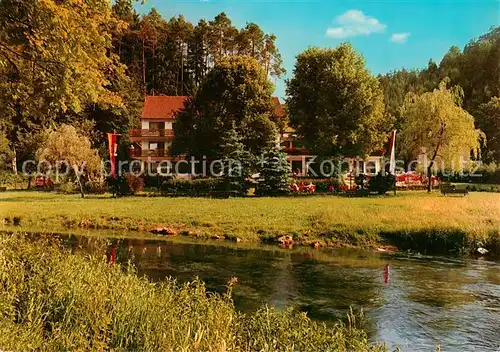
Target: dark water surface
x=420 y=303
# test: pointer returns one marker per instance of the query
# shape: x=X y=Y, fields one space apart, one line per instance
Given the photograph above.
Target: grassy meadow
x=411 y=220
x=67 y=302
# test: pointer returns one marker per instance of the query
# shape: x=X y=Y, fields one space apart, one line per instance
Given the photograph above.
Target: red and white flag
x=113 y=146
x=392 y=164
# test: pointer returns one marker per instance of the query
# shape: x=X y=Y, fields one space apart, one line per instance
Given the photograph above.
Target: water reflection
x=409 y=301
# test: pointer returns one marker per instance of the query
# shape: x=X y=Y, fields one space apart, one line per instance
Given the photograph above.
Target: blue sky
x=390 y=34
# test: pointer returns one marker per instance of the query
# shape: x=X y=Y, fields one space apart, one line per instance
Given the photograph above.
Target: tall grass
x=51 y=300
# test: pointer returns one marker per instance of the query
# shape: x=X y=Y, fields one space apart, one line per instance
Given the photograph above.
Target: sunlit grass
x=359 y=221
x=51 y=300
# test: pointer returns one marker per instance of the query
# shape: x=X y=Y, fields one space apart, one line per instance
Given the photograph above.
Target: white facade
x=146 y=124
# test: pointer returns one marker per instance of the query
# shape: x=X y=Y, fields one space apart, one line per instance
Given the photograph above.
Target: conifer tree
x=274 y=172
x=237 y=163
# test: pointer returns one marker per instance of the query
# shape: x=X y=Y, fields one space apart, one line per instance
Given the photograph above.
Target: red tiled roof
x=162 y=106
x=165 y=106
x=278 y=108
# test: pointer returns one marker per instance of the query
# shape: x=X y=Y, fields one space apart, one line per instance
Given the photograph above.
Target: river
x=413 y=301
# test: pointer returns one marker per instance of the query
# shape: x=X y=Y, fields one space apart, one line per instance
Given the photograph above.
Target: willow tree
x=68 y=150
x=437 y=128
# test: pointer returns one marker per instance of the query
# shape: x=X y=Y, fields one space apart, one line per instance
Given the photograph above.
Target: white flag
x=392 y=165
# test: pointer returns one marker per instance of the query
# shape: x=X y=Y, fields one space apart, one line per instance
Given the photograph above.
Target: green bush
x=135 y=183
x=96 y=187
x=382 y=183
x=118 y=186
x=13 y=181
x=322 y=184
x=67 y=187
x=61 y=302
x=196 y=187
x=486 y=174
x=125 y=185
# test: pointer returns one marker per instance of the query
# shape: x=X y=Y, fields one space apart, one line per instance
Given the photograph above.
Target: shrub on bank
x=60 y=301
x=486 y=174
x=96 y=187
x=483 y=188
x=13 y=181
x=322 y=184
x=196 y=188
x=125 y=185
x=67 y=187
x=135 y=183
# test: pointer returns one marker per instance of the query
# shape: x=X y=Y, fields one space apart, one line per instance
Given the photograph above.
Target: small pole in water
x=112 y=255
x=386 y=274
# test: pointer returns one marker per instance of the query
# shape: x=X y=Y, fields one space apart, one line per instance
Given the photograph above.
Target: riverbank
x=416 y=221
x=62 y=301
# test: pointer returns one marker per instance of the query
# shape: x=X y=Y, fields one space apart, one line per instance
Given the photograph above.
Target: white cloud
x=399 y=37
x=353 y=23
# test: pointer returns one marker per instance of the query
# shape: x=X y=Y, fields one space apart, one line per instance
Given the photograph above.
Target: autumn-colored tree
x=6 y=153
x=66 y=147
x=335 y=104
x=54 y=59
x=438 y=128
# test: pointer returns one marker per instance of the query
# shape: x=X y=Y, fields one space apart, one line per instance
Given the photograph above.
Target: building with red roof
x=153 y=141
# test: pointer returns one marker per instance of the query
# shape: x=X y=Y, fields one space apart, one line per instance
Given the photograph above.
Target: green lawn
x=330 y=219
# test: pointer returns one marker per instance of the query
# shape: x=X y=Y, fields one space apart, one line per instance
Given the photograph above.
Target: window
x=157 y=125
x=371 y=167
x=156 y=145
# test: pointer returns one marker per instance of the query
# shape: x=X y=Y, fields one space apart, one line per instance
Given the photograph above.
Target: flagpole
x=392 y=164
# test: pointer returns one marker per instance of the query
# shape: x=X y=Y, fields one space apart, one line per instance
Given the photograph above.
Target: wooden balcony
x=143 y=134
x=296 y=151
x=149 y=153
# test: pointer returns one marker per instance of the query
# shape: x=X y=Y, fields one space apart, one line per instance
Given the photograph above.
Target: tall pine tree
x=274 y=171
x=237 y=163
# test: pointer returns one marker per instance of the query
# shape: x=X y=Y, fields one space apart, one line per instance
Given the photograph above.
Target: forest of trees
x=476 y=69
x=91 y=64
x=172 y=57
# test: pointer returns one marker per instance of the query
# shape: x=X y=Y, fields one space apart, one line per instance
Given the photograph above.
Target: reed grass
x=52 y=300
